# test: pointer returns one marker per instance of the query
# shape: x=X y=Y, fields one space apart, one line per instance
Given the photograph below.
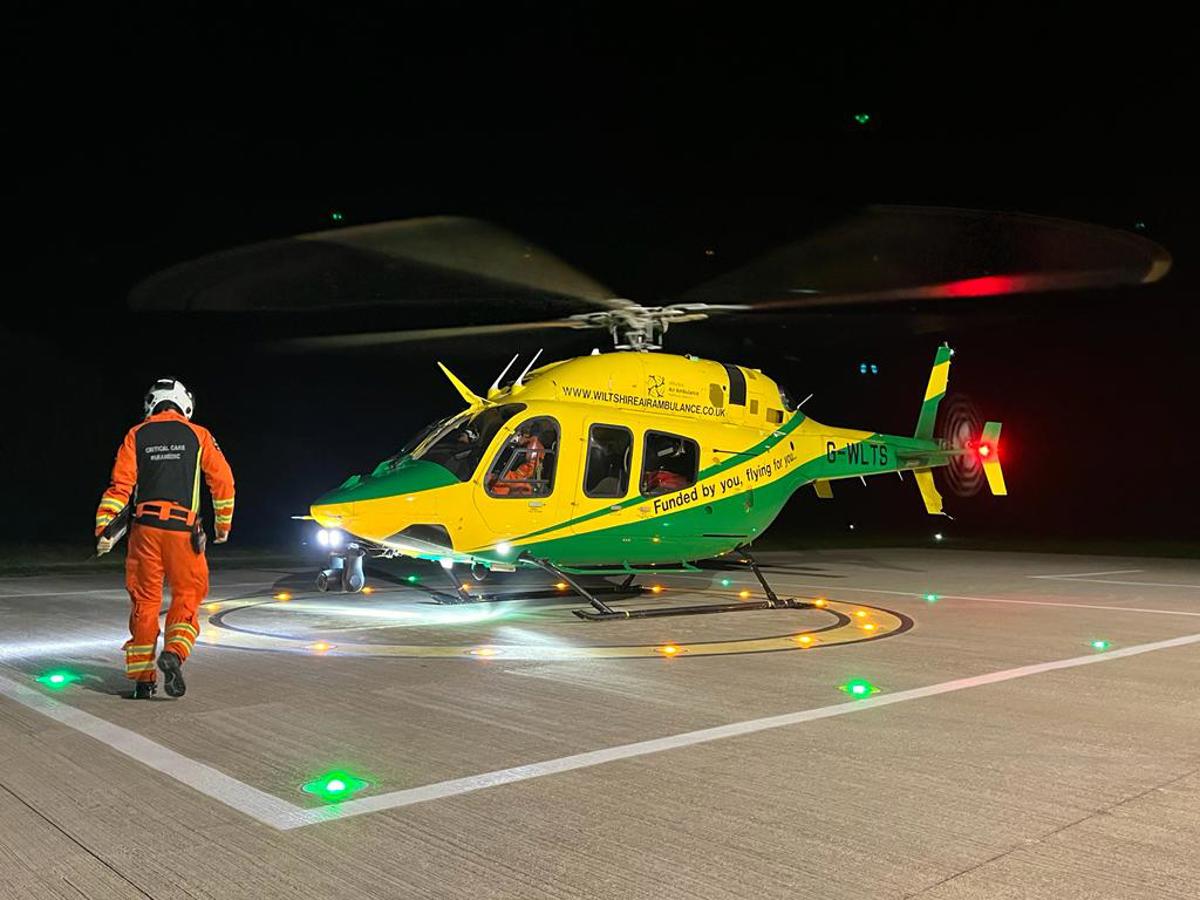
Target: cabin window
x=458 y=444
x=525 y=465
x=737 y=385
x=754 y=407
x=775 y=416
x=669 y=463
x=716 y=395
x=610 y=452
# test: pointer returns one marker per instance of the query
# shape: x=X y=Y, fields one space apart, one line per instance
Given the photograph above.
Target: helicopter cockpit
x=525 y=465
x=456 y=443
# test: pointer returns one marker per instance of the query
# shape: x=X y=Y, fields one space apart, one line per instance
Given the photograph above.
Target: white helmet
x=172 y=390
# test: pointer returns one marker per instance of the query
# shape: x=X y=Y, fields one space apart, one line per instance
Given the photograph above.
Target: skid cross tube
x=772 y=599
x=603 y=610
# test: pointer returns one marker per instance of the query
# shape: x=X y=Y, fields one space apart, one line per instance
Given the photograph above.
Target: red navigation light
x=984 y=450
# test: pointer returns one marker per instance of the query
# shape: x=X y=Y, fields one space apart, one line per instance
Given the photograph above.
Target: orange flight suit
x=516 y=480
x=163 y=459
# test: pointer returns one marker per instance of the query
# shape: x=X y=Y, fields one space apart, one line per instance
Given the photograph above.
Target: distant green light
x=1100 y=645
x=858 y=687
x=862 y=118
x=726 y=582
x=334 y=786
x=58 y=679
x=932 y=598
x=336 y=216
x=412 y=579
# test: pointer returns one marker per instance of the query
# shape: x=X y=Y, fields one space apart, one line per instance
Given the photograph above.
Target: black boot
x=172 y=669
x=143 y=690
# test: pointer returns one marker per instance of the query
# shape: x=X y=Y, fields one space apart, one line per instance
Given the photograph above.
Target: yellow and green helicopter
x=614 y=463
x=633 y=460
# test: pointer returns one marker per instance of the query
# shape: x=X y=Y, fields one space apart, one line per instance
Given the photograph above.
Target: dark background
x=628 y=142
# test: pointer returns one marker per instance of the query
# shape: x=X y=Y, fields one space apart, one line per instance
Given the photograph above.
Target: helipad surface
x=1031 y=734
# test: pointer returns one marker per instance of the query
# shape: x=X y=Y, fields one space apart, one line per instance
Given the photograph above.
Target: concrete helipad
x=944 y=724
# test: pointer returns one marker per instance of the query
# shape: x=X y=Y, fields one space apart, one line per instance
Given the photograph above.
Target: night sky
x=627 y=142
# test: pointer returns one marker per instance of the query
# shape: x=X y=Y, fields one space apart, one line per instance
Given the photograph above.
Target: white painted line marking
x=914 y=595
x=266 y=586
x=285 y=816
x=205 y=779
x=1157 y=584
x=1089 y=574
x=644 y=748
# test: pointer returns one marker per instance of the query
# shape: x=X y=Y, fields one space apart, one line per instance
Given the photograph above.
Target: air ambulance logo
x=656 y=385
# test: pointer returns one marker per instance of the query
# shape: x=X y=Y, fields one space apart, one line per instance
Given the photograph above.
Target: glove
x=221 y=537
x=104 y=545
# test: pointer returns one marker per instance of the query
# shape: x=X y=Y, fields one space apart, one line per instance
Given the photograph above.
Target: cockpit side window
x=525 y=465
x=669 y=463
x=610 y=452
x=458 y=444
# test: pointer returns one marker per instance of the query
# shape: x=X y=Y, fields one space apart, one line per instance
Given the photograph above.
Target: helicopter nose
x=333 y=515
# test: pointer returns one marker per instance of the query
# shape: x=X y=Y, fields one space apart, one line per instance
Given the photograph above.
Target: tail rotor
x=961 y=428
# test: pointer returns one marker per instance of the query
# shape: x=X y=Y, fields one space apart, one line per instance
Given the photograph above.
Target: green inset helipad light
x=1100 y=645
x=726 y=582
x=58 y=679
x=334 y=786
x=862 y=118
x=412 y=579
x=858 y=687
x=336 y=216
x=932 y=598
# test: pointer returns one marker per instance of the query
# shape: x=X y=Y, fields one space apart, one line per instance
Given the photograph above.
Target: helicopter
x=615 y=464
x=637 y=460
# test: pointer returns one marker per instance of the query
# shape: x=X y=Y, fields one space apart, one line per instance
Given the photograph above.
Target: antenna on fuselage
x=495 y=388
x=521 y=377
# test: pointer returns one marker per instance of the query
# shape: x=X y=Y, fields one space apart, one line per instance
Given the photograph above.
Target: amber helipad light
x=283 y=596
x=805 y=640
x=821 y=602
x=212 y=607
x=368 y=590
x=562 y=585
x=861 y=613
x=320 y=646
x=656 y=589
x=869 y=626
x=484 y=651
x=745 y=595
x=669 y=650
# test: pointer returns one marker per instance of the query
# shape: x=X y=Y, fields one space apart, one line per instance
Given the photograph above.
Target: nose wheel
x=345 y=572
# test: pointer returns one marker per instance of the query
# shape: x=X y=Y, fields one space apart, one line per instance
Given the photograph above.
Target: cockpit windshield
x=456 y=443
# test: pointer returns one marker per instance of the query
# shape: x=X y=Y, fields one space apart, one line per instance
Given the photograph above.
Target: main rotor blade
x=417 y=264
x=890 y=253
x=387 y=338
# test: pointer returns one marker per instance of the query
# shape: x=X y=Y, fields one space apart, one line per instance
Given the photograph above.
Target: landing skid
x=602 y=612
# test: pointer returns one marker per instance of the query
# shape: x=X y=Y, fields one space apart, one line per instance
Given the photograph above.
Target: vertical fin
x=823 y=488
x=934 y=392
x=929 y=491
x=991 y=466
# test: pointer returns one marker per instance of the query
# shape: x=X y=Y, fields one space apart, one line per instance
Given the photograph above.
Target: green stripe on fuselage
x=730 y=521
